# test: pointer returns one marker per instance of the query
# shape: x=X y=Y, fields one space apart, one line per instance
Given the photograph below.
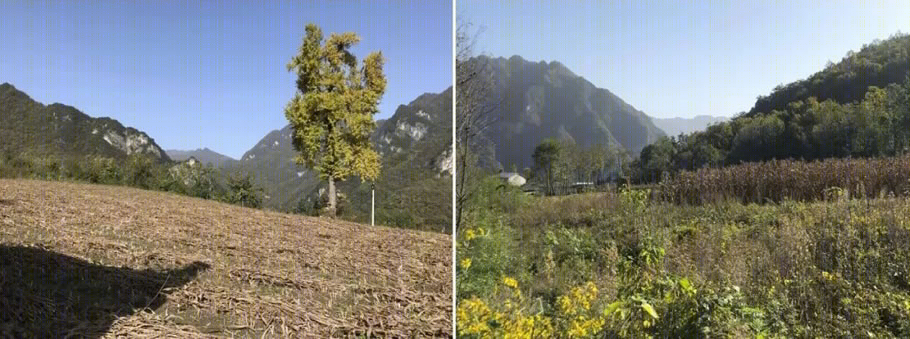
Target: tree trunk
x=550 y=190
x=330 y=210
x=460 y=190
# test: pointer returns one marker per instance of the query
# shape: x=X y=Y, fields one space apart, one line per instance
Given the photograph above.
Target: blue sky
x=685 y=58
x=208 y=74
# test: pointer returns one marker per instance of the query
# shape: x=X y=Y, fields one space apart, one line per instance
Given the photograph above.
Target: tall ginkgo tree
x=332 y=112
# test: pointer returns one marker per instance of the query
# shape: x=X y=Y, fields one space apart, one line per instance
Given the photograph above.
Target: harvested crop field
x=107 y=261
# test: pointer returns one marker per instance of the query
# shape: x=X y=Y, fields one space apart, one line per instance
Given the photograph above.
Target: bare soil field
x=93 y=261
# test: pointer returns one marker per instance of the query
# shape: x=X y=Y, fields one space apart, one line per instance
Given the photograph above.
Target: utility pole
x=372 y=204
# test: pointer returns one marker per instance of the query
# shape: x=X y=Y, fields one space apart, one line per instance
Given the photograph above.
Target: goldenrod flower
x=474 y=316
x=465 y=263
x=469 y=235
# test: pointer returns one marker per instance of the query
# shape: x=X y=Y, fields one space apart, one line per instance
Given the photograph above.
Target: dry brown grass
x=570 y=210
x=269 y=274
x=778 y=180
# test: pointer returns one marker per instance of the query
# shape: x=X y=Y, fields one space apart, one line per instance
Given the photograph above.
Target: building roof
x=506 y=175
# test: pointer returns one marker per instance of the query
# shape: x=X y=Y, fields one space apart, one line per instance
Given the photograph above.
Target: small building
x=512 y=178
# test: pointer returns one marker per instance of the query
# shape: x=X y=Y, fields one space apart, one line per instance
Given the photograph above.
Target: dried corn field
x=779 y=180
x=105 y=261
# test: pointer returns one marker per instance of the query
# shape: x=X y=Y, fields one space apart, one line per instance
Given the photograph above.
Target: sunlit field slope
x=108 y=261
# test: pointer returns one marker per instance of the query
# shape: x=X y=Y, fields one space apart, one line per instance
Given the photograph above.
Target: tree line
x=558 y=164
x=878 y=125
x=140 y=171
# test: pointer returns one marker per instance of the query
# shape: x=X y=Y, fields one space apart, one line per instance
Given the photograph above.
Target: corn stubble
x=779 y=180
x=265 y=274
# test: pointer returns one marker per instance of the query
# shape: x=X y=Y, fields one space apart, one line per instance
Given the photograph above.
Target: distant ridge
x=203 y=155
x=677 y=126
x=57 y=129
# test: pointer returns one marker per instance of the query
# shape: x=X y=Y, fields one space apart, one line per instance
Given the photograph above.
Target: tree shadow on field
x=44 y=294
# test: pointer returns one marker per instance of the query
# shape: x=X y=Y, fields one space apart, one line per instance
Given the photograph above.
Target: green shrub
x=485 y=253
x=140 y=172
x=242 y=191
x=99 y=170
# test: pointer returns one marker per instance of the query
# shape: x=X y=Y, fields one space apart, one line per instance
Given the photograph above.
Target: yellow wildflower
x=469 y=234
x=511 y=282
x=474 y=316
x=583 y=327
x=465 y=263
x=527 y=327
x=579 y=299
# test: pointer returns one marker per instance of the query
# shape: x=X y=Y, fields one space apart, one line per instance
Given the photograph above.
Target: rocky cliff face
x=445 y=162
x=419 y=124
x=131 y=141
x=58 y=129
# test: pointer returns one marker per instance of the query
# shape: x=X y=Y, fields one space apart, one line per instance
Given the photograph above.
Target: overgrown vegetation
x=243 y=192
x=141 y=171
x=406 y=197
x=624 y=265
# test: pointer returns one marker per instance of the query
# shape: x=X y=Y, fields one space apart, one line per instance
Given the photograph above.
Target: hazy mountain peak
x=678 y=125
x=540 y=100
x=202 y=155
x=559 y=68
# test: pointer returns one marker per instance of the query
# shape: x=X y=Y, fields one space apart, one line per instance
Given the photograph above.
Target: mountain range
x=27 y=126
x=539 y=100
x=413 y=189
